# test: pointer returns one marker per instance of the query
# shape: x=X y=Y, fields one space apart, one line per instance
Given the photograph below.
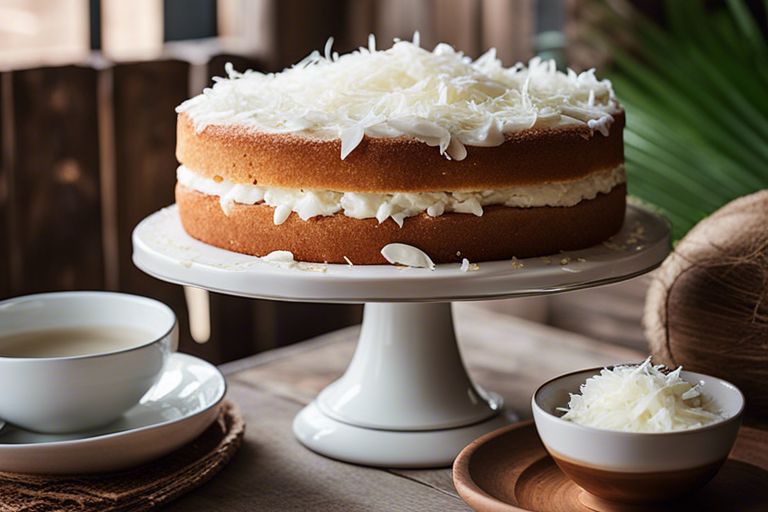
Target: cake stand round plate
x=163 y=249
x=406 y=399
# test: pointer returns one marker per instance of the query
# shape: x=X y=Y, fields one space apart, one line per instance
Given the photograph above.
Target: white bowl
x=76 y=393
x=630 y=467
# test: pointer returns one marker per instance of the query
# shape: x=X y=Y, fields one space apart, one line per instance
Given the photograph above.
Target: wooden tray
x=509 y=470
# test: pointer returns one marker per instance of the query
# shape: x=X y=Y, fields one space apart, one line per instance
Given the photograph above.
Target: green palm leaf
x=696 y=97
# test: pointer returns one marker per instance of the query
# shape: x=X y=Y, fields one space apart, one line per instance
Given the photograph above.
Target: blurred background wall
x=87 y=134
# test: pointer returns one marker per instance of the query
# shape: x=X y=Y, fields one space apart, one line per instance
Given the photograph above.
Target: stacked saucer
x=90 y=383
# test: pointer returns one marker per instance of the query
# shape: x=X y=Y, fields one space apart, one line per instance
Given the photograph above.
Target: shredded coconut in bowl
x=442 y=98
x=641 y=398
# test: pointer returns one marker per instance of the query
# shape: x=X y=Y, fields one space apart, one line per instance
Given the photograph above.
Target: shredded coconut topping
x=640 y=399
x=441 y=98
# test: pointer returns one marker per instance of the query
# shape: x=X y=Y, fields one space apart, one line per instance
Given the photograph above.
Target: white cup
x=79 y=393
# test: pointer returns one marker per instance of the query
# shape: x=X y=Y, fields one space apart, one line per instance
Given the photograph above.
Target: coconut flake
x=603 y=124
x=282 y=212
x=350 y=139
x=403 y=254
x=640 y=398
x=282 y=259
x=466 y=266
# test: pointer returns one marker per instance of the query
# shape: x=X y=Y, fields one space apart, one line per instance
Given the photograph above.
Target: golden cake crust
x=501 y=232
x=529 y=157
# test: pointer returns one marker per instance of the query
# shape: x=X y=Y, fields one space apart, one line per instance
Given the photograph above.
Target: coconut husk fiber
x=144 y=488
x=707 y=306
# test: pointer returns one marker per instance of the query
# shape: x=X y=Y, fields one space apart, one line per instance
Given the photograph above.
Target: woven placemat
x=142 y=488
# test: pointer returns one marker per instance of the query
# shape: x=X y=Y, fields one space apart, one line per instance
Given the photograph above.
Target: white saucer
x=178 y=408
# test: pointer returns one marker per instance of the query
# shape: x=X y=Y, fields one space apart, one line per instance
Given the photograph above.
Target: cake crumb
x=311 y=267
x=565 y=261
x=581 y=260
x=610 y=244
x=546 y=259
x=517 y=264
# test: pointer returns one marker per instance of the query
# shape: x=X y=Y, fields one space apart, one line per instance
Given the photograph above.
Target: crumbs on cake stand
x=632 y=242
x=466 y=266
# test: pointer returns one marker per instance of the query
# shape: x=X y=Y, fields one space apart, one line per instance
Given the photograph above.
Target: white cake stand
x=406 y=399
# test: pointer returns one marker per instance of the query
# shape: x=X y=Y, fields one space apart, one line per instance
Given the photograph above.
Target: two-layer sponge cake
x=339 y=156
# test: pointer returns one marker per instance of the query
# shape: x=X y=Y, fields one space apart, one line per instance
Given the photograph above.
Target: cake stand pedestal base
x=406 y=399
x=386 y=448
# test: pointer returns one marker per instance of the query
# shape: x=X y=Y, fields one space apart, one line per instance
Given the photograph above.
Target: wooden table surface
x=272 y=471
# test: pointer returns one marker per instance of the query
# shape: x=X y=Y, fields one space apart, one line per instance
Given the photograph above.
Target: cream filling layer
x=398 y=205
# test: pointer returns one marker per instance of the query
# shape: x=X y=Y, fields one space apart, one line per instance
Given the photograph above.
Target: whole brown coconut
x=707 y=307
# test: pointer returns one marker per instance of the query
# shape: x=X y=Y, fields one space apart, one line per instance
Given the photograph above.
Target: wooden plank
x=287 y=352
x=458 y=22
x=508 y=26
x=248 y=24
x=239 y=62
x=303 y=26
x=107 y=175
x=438 y=479
x=56 y=180
x=131 y=30
x=302 y=375
x=39 y=32
x=234 y=328
x=273 y=471
x=361 y=21
x=514 y=356
x=315 y=320
x=611 y=313
x=6 y=148
x=144 y=96
x=401 y=18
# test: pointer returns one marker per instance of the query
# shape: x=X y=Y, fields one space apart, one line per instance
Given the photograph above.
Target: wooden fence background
x=87 y=151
